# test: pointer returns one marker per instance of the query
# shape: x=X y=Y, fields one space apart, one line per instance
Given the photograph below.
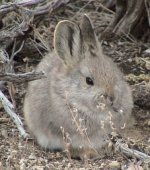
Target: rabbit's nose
x=100 y=97
x=116 y=108
x=106 y=98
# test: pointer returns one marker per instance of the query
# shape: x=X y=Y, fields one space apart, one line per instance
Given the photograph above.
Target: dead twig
x=7 y=37
x=20 y=78
x=4 y=60
x=50 y=7
x=43 y=9
x=9 y=7
x=123 y=148
x=9 y=108
x=106 y=9
x=14 y=52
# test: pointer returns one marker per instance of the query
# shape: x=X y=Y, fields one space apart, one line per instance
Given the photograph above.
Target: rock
x=32 y=157
x=38 y=167
x=147 y=51
x=115 y=165
x=22 y=166
x=134 y=167
x=4 y=133
x=148 y=122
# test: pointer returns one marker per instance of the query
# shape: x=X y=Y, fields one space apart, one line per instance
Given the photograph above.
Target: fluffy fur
x=55 y=101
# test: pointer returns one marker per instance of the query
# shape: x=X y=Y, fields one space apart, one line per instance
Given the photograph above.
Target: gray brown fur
x=49 y=102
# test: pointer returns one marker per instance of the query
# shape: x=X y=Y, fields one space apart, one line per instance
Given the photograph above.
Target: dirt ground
x=129 y=54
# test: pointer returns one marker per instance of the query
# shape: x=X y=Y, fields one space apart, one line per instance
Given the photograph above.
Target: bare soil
x=129 y=54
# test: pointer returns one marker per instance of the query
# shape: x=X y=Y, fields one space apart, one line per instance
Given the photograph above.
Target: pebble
x=4 y=133
x=135 y=167
x=148 y=123
x=147 y=51
x=147 y=65
x=22 y=166
x=38 y=168
x=115 y=165
x=102 y=165
x=32 y=157
x=14 y=153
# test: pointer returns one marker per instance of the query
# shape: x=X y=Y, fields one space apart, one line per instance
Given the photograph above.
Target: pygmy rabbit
x=84 y=97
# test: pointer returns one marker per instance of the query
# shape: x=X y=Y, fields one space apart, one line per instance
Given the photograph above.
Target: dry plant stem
x=78 y=123
x=106 y=9
x=50 y=7
x=14 y=51
x=108 y=3
x=20 y=78
x=121 y=147
x=9 y=108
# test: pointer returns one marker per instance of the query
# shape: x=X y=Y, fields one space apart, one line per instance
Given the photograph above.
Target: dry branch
x=20 y=78
x=9 y=7
x=43 y=9
x=129 y=15
x=121 y=147
x=9 y=108
x=7 y=37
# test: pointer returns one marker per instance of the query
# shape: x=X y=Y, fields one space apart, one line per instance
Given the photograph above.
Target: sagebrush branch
x=9 y=108
x=123 y=148
x=28 y=17
x=50 y=7
x=9 y=7
x=20 y=78
x=42 y=9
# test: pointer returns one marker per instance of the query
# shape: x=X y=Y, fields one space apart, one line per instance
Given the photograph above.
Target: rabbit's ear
x=88 y=33
x=68 y=42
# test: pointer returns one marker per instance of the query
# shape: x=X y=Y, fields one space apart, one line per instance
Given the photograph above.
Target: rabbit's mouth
x=108 y=106
x=103 y=101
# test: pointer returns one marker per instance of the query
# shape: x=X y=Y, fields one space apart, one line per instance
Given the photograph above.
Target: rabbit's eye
x=89 y=81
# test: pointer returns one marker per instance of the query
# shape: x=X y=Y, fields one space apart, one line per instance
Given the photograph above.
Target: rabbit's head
x=90 y=79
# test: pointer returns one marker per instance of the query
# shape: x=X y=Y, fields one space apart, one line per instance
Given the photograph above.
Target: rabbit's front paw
x=108 y=149
x=84 y=153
